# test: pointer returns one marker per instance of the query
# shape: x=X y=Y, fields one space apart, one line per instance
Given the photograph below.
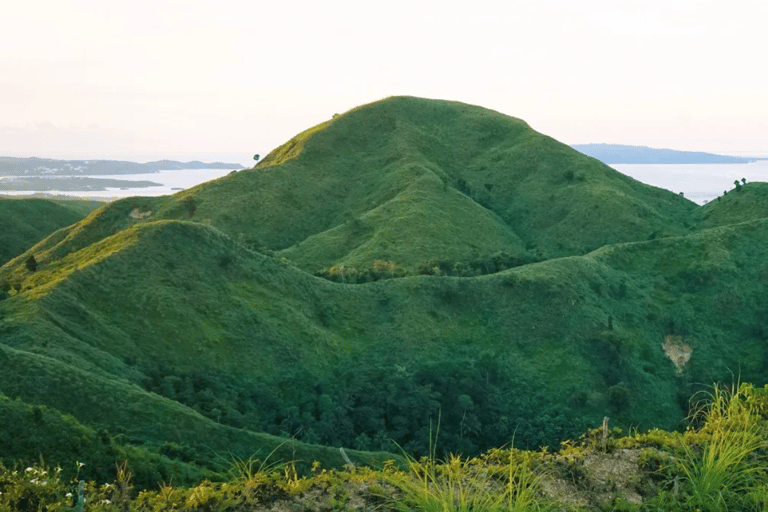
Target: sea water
x=170 y=183
x=700 y=183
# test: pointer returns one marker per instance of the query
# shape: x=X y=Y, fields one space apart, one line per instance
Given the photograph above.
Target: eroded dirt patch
x=136 y=213
x=591 y=480
x=677 y=351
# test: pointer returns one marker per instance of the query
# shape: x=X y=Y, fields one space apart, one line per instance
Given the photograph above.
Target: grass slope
x=409 y=180
x=744 y=203
x=401 y=162
x=585 y=330
x=23 y=222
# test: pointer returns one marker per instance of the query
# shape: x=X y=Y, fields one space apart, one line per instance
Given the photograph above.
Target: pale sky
x=182 y=79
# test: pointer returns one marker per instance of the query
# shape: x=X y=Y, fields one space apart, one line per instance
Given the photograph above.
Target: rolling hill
x=515 y=288
x=23 y=222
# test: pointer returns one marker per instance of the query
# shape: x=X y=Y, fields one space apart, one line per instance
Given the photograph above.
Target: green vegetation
x=602 y=471
x=410 y=180
x=720 y=473
x=406 y=261
x=23 y=222
x=463 y=486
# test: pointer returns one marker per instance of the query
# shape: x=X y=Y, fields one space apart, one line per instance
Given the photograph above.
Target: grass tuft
x=460 y=485
x=721 y=472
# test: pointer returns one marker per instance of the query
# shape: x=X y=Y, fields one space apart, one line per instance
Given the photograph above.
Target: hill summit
x=409 y=180
x=409 y=184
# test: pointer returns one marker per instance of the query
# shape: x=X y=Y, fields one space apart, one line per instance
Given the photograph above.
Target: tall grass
x=723 y=473
x=458 y=485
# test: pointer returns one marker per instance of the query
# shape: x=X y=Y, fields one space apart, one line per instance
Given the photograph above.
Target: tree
x=256 y=157
x=31 y=263
x=744 y=181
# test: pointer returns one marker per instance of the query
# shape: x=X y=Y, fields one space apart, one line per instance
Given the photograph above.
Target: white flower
x=29 y=469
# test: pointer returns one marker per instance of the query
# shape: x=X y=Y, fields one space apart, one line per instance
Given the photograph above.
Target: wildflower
x=29 y=469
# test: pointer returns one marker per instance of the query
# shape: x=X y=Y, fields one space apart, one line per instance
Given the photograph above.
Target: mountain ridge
x=627 y=154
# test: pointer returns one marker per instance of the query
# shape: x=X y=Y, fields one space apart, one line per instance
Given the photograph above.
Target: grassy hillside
x=23 y=222
x=409 y=181
x=744 y=203
x=521 y=290
x=182 y=310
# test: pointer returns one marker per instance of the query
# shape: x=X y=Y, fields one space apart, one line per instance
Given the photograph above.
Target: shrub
x=31 y=263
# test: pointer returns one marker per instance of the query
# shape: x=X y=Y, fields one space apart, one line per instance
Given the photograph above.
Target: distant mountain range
x=12 y=166
x=622 y=154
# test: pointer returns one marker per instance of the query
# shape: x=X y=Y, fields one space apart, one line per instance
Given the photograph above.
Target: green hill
x=744 y=203
x=409 y=181
x=196 y=319
x=23 y=222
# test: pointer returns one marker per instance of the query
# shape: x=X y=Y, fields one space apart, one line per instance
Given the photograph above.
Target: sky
x=208 y=80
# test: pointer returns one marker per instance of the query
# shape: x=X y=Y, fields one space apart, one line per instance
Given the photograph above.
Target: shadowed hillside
x=607 y=298
x=23 y=222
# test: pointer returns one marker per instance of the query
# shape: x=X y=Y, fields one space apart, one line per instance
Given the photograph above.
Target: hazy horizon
x=246 y=159
x=85 y=78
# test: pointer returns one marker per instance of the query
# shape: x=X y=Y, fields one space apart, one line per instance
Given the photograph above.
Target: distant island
x=32 y=166
x=621 y=154
x=68 y=184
